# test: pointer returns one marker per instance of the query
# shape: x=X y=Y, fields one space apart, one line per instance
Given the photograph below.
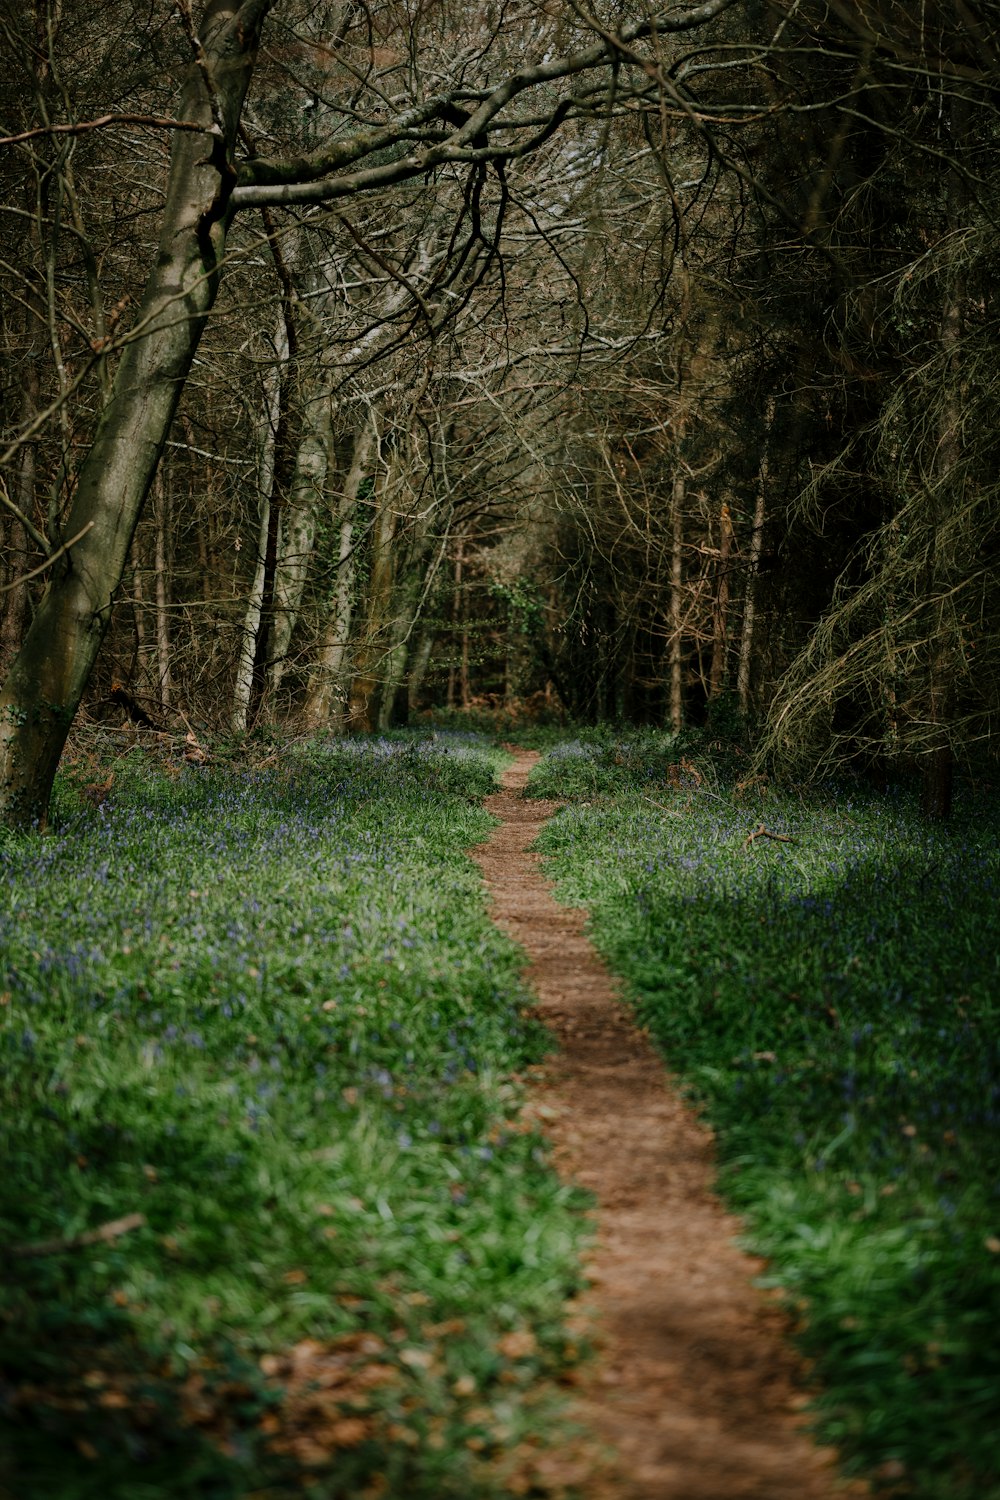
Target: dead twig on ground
x=765 y=833
x=99 y=1236
x=670 y=811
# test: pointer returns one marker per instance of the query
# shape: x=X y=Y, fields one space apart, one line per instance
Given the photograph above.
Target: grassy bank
x=269 y=1223
x=833 y=1003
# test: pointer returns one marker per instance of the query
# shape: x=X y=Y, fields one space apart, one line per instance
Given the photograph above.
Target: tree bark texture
x=298 y=523
x=420 y=661
x=16 y=553
x=414 y=578
x=326 y=692
x=753 y=563
x=161 y=501
x=270 y=417
x=720 y=612
x=364 y=702
x=676 y=584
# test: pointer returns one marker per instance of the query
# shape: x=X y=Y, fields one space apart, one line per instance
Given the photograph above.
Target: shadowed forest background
x=636 y=364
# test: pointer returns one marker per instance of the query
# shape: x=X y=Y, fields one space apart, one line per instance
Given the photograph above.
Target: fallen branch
x=670 y=811
x=765 y=833
x=99 y=1236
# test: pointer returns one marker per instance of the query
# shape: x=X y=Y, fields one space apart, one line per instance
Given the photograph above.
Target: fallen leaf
x=400 y=1434
x=443 y=1330
x=306 y=1351
x=374 y=1375
x=349 y=1432
x=416 y=1359
x=113 y=1400
x=519 y=1344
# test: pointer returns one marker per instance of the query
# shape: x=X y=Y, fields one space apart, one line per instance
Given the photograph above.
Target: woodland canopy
x=364 y=359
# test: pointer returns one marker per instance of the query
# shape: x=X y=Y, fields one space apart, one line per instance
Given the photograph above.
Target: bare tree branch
x=82 y=127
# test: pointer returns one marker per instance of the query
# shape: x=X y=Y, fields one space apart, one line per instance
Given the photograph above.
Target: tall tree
x=43 y=688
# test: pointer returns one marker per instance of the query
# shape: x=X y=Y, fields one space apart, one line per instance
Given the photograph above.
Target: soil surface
x=696 y=1393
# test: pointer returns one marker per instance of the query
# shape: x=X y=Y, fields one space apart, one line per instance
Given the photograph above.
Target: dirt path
x=697 y=1389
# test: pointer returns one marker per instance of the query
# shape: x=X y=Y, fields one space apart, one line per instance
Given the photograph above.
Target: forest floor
x=697 y=1393
x=276 y=1217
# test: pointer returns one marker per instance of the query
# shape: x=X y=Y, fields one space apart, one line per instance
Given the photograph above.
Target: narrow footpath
x=697 y=1390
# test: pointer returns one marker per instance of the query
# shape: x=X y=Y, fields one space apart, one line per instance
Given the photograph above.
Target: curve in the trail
x=697 y=1390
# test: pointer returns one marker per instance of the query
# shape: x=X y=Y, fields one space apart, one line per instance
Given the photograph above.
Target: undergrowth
x=270 y=1223
x=831 y=998
x=518 y=723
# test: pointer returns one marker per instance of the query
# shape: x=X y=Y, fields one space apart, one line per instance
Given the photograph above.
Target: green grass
x=265 y=1009
x=832 y=1004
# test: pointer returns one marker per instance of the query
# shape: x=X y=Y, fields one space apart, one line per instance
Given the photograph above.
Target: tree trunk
x=937 y=779
x=47 y=679
x=753 y=564
x=418 y=668
x=17 y=556
x=944 y=500
x=462 y=607
x=162 y=517
x=720 y=612
x=298 y=525
x=268 y=574
x=138 y=670
x=395 y=666
x=409 y=598
x=676 y=582
x=14 y=602
x=271 y=415
x=457 y=632
x=364 y=706
x=325 y=693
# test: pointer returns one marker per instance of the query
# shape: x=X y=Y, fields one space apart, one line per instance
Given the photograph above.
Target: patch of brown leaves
x=326 y=1396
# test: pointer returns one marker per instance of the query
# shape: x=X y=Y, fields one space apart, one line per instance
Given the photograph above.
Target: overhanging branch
x=309 y=178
